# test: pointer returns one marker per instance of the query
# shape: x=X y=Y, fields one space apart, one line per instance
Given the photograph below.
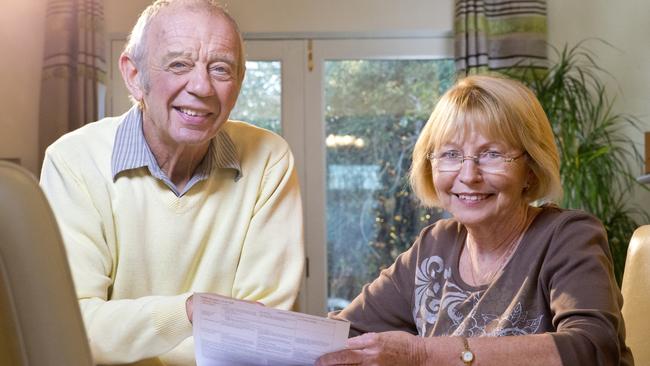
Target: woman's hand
x=388 y=348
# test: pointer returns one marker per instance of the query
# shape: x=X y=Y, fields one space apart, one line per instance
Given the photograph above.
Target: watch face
x=467 y=356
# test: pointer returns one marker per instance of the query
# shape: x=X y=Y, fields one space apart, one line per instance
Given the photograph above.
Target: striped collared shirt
x=131 y=151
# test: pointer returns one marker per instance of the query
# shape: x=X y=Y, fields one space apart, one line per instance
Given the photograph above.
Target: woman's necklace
x=501 y=261
x=503 y=258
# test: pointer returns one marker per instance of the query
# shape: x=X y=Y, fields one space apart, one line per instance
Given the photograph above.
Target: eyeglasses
x=488 y=161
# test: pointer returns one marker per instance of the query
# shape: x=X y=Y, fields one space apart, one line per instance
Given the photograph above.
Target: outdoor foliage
x=259 y=100
x=598 y=161
x=372 y=215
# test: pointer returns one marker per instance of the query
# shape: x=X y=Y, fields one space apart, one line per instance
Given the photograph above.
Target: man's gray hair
x=136 y=46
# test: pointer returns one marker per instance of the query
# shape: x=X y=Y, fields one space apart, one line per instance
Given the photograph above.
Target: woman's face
x=478 y=199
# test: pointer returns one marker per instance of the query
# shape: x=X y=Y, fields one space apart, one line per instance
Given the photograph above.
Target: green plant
x=597 y=158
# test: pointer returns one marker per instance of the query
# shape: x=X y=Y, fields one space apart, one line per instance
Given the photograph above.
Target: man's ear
x=130 y=74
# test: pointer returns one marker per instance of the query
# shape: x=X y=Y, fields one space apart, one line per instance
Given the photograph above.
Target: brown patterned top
x=558 y=281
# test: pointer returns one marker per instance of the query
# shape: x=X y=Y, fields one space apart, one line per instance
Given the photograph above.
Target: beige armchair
x=636 y=295
x=40 y=322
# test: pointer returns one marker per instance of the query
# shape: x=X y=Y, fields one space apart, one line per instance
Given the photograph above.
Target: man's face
x=190 y=84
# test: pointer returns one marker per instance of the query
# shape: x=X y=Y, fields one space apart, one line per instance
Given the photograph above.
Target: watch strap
x=467 y=356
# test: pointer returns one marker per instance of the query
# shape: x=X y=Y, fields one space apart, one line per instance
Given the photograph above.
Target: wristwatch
x=467 y=356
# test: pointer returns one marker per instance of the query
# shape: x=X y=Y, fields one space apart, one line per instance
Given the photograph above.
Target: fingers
x=344 y=357
x=363 y=341
x=353 y=355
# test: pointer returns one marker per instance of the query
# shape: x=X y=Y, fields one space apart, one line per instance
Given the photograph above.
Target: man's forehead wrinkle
x=216 y=49
x=171 y=54
x=228 y=55
x=181 y=50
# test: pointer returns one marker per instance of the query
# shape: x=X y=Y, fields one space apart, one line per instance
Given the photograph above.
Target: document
x=233 y=332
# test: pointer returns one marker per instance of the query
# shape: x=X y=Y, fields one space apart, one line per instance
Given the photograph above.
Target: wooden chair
x=636 y=295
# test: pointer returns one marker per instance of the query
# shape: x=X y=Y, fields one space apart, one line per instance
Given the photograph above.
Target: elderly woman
x=502 y=266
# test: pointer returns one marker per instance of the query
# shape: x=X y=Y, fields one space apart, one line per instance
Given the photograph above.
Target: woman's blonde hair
x=500 y=109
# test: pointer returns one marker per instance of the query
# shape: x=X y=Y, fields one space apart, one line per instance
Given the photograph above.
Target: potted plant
x=597 y=158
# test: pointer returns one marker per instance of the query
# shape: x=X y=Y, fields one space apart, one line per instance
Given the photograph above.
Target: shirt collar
x=131 y=151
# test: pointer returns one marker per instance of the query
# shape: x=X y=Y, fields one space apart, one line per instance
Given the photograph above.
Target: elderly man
x=172 y=197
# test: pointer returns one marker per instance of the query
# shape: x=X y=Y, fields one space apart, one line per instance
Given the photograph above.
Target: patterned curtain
x=74 y=68
x=494 y=35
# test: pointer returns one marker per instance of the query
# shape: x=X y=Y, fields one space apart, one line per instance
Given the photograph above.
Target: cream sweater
x=137 y=251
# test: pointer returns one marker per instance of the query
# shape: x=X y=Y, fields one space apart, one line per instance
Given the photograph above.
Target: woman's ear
x=132 y=77
x=531 y=180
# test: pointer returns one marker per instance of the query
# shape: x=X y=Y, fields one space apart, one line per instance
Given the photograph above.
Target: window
x=366 y=101
x=374 y=111
x=260 y=97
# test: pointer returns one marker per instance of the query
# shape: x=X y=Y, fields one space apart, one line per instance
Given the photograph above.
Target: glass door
x=367 y=101
x=272 y=97
x=260 y=98
x=374 y=111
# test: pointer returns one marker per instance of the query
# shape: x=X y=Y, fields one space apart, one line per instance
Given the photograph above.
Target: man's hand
x=388 y=348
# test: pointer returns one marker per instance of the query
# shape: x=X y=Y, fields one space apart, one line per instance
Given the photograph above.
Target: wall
x=314 y=16
x=22 y=24
x=625 y=25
